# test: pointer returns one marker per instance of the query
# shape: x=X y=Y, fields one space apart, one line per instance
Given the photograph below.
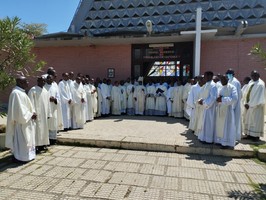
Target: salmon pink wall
x=94 y=60
x=216 y=55
x=219 y=55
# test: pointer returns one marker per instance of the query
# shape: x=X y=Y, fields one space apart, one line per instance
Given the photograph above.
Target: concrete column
x=197 y=42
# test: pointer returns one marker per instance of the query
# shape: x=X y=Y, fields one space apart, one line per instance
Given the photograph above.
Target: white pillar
x=197 y=43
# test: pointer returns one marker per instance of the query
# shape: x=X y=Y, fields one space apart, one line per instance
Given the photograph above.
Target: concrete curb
x=262 y=154
x=184 y=149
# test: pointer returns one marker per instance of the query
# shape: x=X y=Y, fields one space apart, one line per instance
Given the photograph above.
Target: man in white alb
x=20 y=129
x=207 y=99
x=254 y=105
x=225 y=129
x=66 y=100
x=40 y=98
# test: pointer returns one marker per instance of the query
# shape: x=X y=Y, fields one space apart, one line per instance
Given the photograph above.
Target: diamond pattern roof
x=106 y=17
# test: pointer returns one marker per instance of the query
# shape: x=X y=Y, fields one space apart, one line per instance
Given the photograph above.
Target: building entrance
x=164 y=62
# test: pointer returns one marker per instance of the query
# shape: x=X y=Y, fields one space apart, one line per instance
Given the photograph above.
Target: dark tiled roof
x=66 y=35
x=111 y=17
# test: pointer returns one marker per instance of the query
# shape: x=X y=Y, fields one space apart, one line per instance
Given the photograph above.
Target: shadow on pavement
x=168 y=120
x=8 y=163
x=192 y=140
x=210 y=160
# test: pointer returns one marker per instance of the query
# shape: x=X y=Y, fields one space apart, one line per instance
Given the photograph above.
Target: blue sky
x=57 y=14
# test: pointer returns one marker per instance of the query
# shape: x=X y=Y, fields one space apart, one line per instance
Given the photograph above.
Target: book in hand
x=159 y=90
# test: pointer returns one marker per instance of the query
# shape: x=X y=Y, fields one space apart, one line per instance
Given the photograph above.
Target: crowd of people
x=218 y=110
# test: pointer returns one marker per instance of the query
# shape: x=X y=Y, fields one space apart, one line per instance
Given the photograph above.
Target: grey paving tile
x=197 y=164
x=44 y=160
x=152 y=169
x=6 y=193
x=215 y=175
x=97 y=175
x=94 y=164
x=258 y=178
x=10 y=180
x=114 y=157
x=241 y=178
x=25 y=195
x=104 y=191
x=232 y=167
x=119 y=192
x=254 y=169
x=168 y=161
x=59 y=172
x=28 y=182
x=141 y=193
x=185 y=172
x=68 y=187
x=238 y=188
x=87 y=149
x=175 y=195
x=140 y=159
x=123 y=167
x=165 y=182
x=130 y=179
x=89 y=155
x=91 y=189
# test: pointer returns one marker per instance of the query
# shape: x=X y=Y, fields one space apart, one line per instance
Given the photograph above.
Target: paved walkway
x=149 y=133
x=73 y=173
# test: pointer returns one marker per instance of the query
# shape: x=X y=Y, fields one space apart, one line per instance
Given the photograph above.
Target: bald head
x=255 y=75
x=21 y=81
x=40 y=81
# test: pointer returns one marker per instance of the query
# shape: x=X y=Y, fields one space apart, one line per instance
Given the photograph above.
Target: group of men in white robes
x=215 y=110
x=219 y=111
x=134 y=98
x=79 y=100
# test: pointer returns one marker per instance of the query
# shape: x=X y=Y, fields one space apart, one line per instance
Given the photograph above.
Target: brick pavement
x=72 y=173
x=149 y=133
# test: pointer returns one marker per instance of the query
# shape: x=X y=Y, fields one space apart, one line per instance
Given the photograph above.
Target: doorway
x=165 y=62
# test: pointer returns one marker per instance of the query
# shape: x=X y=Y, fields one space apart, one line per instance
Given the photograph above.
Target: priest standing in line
x=79 y=113
x=116 y=99
x=237 y=105
x=106 y=97
x=20 y=129
x=99 y=99
x=89 y=103
x=244 y=91
x=225 y=129
x=54 y=107
x=94 y=95
x=254 y=105
x=160 y=101
x=139 y=97
x=186 y=90
x=193 y=96
x=124 y=97
x=178 y=105
x=130 y=98
x=66 y=101
x=70 y=81
x=150 y=99
x=170 y=99
x=208 y=96
x=40 y=99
